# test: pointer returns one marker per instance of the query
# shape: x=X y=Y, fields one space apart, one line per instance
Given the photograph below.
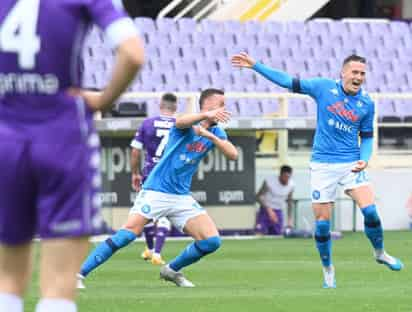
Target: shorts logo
x=316 y=194
x=145 y=208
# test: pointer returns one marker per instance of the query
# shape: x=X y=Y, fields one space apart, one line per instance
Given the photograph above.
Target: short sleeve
x=138 y=140
x=110 y=17
x=220 y=133
x=311 y=87
x=366 y=126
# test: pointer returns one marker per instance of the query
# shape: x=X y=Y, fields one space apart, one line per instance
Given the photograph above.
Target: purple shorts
x=265 y=226
x=50 y=177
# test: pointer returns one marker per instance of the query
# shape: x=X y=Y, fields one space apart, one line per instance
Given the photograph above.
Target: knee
x=122 y=238
x=371 y=216
x=210 y=244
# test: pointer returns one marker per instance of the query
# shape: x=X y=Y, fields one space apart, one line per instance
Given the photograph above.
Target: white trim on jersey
x=120 y=30
x=136 y=144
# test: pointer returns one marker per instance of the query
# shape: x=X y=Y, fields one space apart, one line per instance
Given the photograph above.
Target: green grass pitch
x=253 y=276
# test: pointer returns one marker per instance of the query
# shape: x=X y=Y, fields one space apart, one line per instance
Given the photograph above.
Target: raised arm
x=225 y=146
x=278 y=77
x=214 y=116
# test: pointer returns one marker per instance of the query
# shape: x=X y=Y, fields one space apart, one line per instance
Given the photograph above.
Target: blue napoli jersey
x=173 y=174
x=341 y=119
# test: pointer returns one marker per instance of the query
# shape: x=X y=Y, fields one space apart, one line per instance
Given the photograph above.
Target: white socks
x=13 y=303
x=10 y=303
x=56 y=305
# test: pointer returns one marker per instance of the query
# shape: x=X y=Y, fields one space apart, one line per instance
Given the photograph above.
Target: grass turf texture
x=254 y=275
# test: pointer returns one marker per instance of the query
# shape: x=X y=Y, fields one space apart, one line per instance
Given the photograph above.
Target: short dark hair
x=169 y=102
x=207 y=93
x=286 y=169
x=354 y=58
x=169 y=97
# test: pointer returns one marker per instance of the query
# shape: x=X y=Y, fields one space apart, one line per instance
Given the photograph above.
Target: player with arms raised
x=166 y=192
x=345 y=114
x=49 y=150
x=153 y=135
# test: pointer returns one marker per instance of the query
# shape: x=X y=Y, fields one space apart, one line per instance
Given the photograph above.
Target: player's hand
x=273 y=217
x=218 y=115
x=360 y=165
x=201 y=131
x=243 y=60
x=136 y=181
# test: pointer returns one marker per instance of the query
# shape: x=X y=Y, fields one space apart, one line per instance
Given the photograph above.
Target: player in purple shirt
x=153 y=136
x=49 y=151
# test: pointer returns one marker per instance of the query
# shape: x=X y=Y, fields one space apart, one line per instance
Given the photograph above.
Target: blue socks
x=323 y=242
x=195 y=251
x=373 y=227
x=106 y=249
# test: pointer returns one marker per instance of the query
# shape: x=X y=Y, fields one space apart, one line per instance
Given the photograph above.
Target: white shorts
x=326 y=177
x=177 y=208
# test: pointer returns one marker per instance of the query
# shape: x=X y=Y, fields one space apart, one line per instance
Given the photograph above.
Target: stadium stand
x=185 y=56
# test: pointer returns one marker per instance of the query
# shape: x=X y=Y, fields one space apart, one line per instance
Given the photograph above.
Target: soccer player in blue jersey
x=166 y=192
x=345 y=113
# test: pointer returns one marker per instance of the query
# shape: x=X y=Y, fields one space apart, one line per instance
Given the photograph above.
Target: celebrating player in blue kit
x=345 y=112
x=166 y=191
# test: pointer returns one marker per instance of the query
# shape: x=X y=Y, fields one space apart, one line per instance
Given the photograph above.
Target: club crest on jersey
x=197 y=147
x=334 y=91
x=339 y=109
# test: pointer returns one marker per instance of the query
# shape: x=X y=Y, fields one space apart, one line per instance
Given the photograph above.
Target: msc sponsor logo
x=340 y=125
x=339 y=109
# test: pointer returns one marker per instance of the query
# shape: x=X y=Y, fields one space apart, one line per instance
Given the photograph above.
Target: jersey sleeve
x=110 y=17
x=366 y=126
x=138 y=140
x=220 y=133
x=311 y=87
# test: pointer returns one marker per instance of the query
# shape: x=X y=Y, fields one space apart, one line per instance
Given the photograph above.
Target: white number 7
x=18 y=32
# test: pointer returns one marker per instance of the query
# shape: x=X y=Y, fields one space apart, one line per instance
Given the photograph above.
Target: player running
x=166 y=192
x=345 y=112
x=49 y=149
x=153 y=135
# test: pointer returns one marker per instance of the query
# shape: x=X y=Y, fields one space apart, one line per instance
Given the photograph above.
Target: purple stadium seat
x=356 y=27
x=223 y=39
x=315 y=27
x=202 y=39
x=179 y=38
x=231 y=106
x=220 y=78
x=253 y=27
x=192 y=52
x=295 y=67
x=311 y=107
x=211 y=26
x=267 y=40
x=165 y=25
x=297 y=108
x=272 y=27
x=169 y=52
x=338 y=28
x=198 y=79
x=397 y=27
x=184 y=65
x=378 y=28
x=145 y=24
x=385 y=109
x=186 y=25
x=404 y=109
x=244 y=39
x=215 y=53
x=242 y=77
x=249 y=107
x=205 y=65
x=224 y=65
x=232 y=26
x=153 y=108
x=270 y=106
x=295 y=27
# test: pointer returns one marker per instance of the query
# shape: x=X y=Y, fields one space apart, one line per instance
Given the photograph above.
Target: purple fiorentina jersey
x=49 y=150
x=153 y=136
x=40 y=46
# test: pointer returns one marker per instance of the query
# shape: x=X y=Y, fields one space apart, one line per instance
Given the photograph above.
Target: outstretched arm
x=279 y=77
x=214 y=116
